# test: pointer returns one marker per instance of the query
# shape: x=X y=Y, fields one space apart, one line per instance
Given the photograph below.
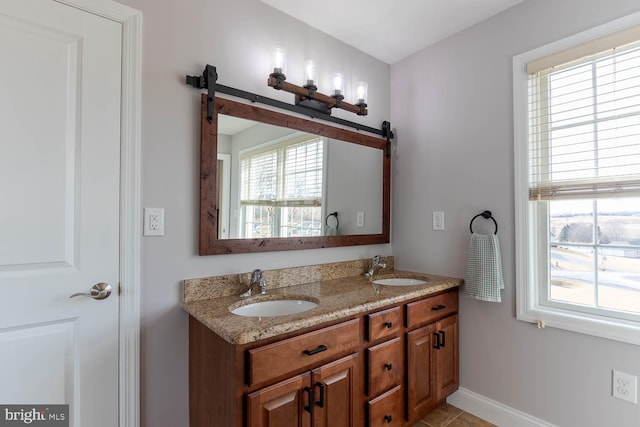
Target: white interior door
x=60 y=79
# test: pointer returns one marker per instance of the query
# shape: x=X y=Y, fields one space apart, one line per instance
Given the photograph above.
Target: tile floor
x=449 y=416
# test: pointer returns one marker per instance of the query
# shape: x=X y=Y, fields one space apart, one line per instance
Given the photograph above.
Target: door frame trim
x=130 y=211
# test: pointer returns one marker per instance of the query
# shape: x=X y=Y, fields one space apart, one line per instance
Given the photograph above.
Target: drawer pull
x=309 y=407
x=388 y=325
x=388 y=419
x=388 y=366
x=438 y=307
x=316 y=350
x=320 y=401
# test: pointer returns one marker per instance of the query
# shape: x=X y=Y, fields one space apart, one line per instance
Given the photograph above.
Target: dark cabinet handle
x=442 y=335
x=388 y=325
x=320 y=401
x=388 y=419
x=316 y=350
x=436 y=337
x=438 y=307
x=309 y=407
x=388 y=366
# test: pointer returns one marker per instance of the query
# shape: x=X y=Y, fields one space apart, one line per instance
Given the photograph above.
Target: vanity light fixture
x=308 y=95
x=209 y=80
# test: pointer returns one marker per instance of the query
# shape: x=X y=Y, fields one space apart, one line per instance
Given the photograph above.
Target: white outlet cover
x=625 y=386
x=153 y=222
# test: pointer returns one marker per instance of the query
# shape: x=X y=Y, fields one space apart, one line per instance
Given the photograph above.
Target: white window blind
x=282 y=188
x=584 y=127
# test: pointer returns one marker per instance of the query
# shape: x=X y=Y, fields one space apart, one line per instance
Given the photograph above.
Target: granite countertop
x=337 y=298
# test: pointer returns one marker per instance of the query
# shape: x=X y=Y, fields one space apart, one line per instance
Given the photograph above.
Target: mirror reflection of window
x=294 y=201
x=282 y=187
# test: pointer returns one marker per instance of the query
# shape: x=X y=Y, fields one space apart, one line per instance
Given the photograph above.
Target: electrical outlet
x=625 y=386
x=438 y=221
x=153 y=221
x=359 y=219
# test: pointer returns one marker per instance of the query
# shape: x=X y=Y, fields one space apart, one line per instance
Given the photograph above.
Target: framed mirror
x=271 y=181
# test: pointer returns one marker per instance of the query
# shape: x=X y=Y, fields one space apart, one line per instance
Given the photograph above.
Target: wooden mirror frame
x=211 y=245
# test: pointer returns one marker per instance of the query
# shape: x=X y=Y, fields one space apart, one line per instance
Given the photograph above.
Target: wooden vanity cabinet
x=388 y=367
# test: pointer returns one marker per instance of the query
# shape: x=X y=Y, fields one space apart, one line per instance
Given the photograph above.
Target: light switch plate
x=438 y=221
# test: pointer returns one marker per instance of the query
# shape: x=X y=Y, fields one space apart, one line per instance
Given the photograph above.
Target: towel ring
x=485 y=215
x=326 y=220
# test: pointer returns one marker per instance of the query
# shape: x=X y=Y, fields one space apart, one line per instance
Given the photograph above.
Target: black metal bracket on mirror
x=388 y=134
x=207 y=80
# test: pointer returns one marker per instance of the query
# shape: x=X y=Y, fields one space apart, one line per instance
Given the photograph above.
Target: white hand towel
x=484 y=268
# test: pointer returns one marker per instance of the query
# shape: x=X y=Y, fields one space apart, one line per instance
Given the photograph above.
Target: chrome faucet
x=256 y=280
x=375 y=263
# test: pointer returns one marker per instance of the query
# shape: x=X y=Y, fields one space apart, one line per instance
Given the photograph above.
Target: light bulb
x=310 y=72
x=338 y=84
x=278 y=60
x=361 y=92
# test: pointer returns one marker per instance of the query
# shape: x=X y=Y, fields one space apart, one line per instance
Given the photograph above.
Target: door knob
x=98 y=291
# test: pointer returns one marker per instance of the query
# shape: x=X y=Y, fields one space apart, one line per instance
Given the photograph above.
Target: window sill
x=613 y=329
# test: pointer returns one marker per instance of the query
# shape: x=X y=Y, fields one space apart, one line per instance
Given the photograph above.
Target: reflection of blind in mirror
x=281 y=190
x=303 y=171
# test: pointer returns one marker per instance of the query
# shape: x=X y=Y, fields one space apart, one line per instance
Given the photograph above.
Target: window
x=282 y=189
x=577 y=148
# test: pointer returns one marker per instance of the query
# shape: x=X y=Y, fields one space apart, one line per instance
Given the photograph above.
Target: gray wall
x=452 y=106
x=180 y=37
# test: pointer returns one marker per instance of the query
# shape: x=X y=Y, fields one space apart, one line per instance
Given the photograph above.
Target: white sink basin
x=399 y=281
x=280 y=307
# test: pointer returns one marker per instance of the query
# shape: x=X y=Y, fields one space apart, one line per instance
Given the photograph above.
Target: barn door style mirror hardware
x=209 y=80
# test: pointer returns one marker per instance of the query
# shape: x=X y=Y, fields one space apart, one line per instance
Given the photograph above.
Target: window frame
x=530 y=280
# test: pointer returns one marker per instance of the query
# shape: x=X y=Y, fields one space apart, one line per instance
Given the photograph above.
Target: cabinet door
x=281 y=405
x=447 y=356
x=335 y=388
x=421 y=391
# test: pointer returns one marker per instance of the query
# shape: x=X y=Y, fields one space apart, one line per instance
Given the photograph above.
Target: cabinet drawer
x=429 y=309
x=273 y=360
x=386 y=410
x=384 y=323
x=385 y=363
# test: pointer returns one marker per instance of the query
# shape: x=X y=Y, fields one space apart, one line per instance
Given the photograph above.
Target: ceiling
x=391 y=30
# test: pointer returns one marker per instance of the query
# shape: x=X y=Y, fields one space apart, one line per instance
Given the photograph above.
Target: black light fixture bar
x=208 y=81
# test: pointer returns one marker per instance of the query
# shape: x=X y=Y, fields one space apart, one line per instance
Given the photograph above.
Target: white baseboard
x=492 y=411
